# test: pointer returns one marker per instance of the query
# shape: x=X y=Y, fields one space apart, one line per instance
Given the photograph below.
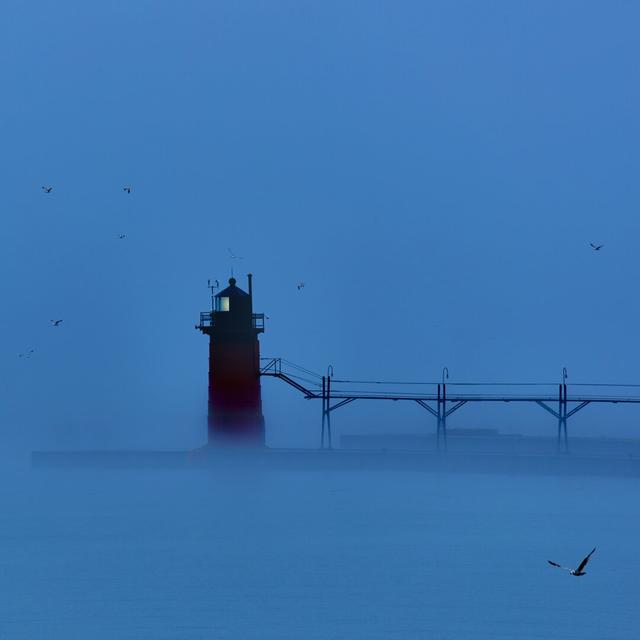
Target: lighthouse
x=235 y=403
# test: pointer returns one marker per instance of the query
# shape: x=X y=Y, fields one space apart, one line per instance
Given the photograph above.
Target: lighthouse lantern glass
x=222 y=304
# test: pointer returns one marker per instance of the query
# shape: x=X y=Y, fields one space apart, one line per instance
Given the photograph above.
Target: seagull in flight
x=127 y=188
x=27 y=354
x=234 y=256
x=122 y=236
x=56 y=323
x=596 y=247
x=300 y=285
x=575 y=572
x=47 y=189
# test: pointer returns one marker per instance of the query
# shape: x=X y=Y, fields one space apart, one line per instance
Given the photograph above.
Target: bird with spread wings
x=574 y=572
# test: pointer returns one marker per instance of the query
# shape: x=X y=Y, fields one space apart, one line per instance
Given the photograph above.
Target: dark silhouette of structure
x=235 y=403
x=441 y=399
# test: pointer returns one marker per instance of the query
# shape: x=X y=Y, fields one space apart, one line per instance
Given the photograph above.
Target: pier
x=442 y=399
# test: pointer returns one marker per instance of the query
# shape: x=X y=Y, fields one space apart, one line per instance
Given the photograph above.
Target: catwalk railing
x=207 y=319
x=442 y=399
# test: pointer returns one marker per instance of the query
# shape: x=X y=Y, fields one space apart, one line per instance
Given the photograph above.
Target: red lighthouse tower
x=235 y=403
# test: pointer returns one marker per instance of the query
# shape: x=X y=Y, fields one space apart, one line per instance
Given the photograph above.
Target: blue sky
x=434 y=172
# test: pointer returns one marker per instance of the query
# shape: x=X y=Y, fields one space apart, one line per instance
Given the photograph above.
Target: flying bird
x=47 y=189
x=300 y=285
x=122 y=236
x=127 y=188
x=574 y=572
x=27 y=354
x=234 y=256
x=596 y=247
x=56 y=323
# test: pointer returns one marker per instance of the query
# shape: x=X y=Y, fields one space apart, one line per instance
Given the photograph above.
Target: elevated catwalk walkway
x=441 y=399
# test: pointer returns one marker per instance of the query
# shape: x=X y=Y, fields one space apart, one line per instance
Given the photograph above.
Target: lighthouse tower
x=235 y=404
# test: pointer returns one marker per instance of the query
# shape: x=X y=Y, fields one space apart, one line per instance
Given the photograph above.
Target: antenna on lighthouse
x=212 y=286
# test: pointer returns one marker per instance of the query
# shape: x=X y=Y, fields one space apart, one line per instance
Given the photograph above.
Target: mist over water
x=277 y=554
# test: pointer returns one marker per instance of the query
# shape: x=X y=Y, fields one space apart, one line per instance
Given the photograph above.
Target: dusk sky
x=433 y=171
x=437 y=173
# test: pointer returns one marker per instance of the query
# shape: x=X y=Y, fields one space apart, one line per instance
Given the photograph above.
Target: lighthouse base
x=237 y=432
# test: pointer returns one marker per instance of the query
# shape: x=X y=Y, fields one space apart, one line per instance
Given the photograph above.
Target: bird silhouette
x=56 y=323
x=596 y=247
x=27 y=354
x=122 y=236
x=47 y=189
x=234 y=256
x=127 y=188
x=574 y=572
x=300 y=285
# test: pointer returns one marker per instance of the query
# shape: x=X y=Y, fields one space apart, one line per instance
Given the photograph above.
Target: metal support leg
x=329 y=412
x=563 y=439
x=565 y=417
x=324 y=411
x=439 y=420
x=560 y=418
x=443 y=420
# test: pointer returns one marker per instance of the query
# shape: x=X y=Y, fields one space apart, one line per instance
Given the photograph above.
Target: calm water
x=195 y=554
